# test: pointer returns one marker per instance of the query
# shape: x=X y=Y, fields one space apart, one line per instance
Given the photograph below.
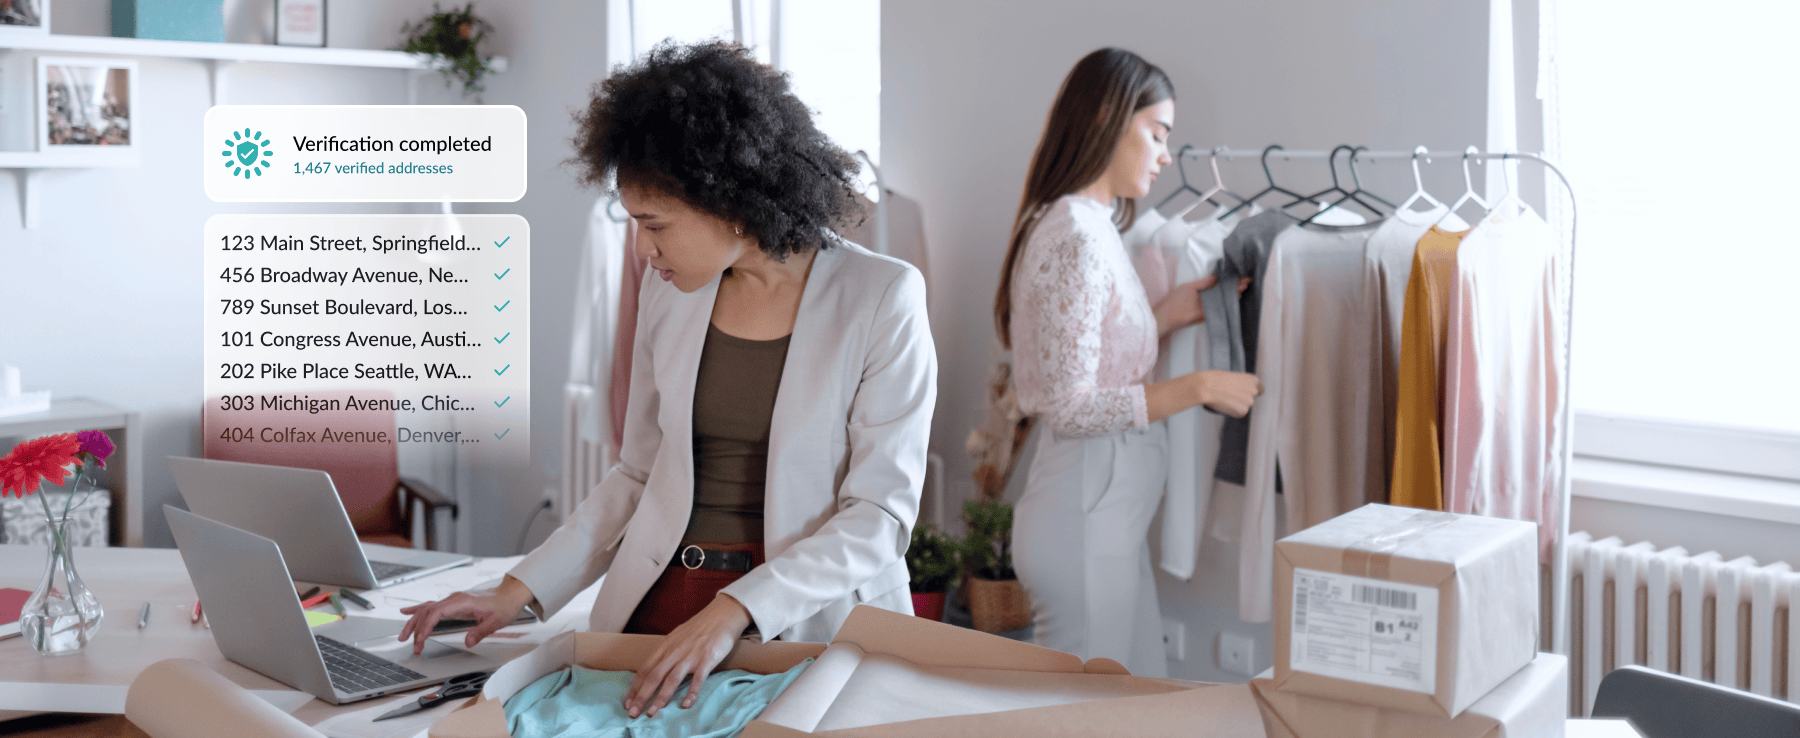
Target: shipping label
x=1364 y=630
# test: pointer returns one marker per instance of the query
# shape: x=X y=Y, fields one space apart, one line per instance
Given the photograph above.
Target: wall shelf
x=62 y=43
x=216 y=56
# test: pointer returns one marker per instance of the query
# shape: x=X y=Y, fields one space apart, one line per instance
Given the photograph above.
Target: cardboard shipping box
x=1415 y=610
x=1534 y=703
x=891 y=674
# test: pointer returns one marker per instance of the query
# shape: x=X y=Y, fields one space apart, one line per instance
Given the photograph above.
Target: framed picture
x=298 y=22
x=85 y=104
x=21 y=17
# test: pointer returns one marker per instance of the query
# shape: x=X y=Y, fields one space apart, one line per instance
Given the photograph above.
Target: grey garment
x=1231 y=323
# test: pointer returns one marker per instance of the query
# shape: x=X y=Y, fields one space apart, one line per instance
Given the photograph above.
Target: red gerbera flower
x=36 y=460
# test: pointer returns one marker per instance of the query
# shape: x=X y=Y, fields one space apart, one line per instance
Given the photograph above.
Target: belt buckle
x=697 y=557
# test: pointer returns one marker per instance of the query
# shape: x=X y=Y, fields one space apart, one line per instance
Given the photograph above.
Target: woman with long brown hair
x=1084 y=339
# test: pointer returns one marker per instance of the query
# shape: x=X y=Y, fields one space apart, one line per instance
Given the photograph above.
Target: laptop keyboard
x=354 y=671
x=385 y=570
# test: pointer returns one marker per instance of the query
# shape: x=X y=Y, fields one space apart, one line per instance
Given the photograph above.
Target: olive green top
x=734 y=401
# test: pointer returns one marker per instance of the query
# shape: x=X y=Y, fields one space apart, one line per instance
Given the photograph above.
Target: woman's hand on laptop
x=491 y=609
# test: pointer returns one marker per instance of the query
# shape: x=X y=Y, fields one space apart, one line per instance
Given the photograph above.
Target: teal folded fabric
x=583 y=703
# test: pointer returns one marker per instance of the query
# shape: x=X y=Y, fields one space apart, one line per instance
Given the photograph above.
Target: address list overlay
x=364 y=153
x=326 y=333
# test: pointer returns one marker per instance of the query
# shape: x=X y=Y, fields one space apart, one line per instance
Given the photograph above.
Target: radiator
x=585 y=461
x=1697 y=615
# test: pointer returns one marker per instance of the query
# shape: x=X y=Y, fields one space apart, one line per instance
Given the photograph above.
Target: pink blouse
x=1084 y=337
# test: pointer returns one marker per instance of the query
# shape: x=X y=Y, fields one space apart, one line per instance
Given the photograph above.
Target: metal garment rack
x=1559 y=567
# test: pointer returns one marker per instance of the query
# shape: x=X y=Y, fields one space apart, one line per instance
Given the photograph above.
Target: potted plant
x=997 y=602
x=934 y=561
x=451 y=39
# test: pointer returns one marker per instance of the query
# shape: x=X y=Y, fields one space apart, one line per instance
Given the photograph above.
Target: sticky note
x=316 y=619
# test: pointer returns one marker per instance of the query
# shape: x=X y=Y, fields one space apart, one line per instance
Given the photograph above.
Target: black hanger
x=1266 y=190
x=1181 y=167
x=1210 y=195
x=1334 y=188
x=1359 y=192
x=1355 y=195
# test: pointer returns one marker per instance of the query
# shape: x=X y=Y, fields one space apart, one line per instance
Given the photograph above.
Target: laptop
x=300 y=510
x=257 y=622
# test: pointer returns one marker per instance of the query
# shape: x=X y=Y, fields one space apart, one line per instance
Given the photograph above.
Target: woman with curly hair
x=1084 y=339
x=782 y=385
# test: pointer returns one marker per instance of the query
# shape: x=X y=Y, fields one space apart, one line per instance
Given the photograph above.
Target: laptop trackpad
x=393 y=650
x=356 y=630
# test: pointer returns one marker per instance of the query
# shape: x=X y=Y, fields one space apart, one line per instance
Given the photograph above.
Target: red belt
x=682 y=592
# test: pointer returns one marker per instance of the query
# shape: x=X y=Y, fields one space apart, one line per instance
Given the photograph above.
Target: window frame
x=1688 y=445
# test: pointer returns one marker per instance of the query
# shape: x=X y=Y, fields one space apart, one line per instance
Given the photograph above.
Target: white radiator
x=585 y=461
x=1700 y=616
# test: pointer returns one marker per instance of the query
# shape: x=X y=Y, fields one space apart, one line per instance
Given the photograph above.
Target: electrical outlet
x=1175 y=639
x=1237 y=654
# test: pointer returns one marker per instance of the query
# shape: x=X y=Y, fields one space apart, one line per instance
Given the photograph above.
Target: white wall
x=965 y=87
x=103 y=299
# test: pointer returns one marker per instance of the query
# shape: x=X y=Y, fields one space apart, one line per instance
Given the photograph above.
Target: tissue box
x=1534 y=703
x=22 y=518
x=169 y=20
x=891 y=674
x=1409 y=609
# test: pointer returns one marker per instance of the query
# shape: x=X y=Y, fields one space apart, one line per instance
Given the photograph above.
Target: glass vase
x=63 y=614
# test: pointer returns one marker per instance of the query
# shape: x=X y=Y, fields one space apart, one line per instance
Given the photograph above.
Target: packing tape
x=1371 y=556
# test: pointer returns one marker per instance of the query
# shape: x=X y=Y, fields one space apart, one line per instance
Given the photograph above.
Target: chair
x=1662 y=705
x=384 y=507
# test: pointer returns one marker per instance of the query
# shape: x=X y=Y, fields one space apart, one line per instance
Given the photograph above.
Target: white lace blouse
x=1084 y=337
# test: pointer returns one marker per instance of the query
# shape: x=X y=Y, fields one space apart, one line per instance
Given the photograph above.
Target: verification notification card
x=365 y=153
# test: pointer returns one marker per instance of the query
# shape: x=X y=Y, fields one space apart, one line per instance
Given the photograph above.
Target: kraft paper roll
x=180 y=698
x=804 y=703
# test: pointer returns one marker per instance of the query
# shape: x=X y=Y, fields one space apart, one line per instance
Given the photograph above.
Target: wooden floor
x=69 y=725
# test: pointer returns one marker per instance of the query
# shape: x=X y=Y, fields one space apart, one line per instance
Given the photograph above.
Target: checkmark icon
x=502 y=275
x=502 y=339
x=502 y=243
x=502 y=403
x=502 y=306
x=502 y=434
x=502 y=370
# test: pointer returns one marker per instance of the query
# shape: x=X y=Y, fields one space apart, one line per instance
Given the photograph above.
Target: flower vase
x=62 y=615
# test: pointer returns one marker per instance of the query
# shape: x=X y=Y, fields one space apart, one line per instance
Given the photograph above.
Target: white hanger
x=1419 y=192
x=1469 y=191
x=1218 y=185
x=1512 y=192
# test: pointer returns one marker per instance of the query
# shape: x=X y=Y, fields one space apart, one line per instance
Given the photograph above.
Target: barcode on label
x=1300 y=611
x=1383 y=597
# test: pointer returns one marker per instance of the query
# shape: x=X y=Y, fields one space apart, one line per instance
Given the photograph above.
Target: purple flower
x=95 y=444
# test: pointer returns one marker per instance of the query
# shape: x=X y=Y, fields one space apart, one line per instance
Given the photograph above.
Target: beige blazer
x=846 y=456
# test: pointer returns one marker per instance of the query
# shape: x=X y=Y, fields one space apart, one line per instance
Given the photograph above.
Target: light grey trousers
x=1081 y=545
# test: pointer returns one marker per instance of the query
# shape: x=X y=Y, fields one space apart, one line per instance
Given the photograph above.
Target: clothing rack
x=1559 y=597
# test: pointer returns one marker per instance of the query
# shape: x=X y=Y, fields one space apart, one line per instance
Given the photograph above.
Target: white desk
x=95 y=680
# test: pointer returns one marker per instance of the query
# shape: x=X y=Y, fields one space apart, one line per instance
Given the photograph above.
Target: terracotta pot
x=929 y=605
x=997 y=606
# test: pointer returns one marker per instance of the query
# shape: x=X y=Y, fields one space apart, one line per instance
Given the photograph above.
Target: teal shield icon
x=246 y=152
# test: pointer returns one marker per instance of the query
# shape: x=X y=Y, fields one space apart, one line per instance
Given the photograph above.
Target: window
x=831 y=49
x=1674 y=124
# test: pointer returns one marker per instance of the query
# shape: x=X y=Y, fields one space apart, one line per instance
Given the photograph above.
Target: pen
x=309 y=593
x=338 y=606
x=195 y=618
x=143 y=616
x=354 y=597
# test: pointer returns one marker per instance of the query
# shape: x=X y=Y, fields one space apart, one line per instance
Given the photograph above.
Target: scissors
x=456 y=687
